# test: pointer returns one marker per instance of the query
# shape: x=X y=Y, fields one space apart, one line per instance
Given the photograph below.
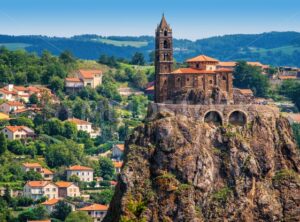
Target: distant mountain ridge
x=275 y=48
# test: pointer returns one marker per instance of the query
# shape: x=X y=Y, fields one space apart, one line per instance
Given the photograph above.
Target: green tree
x=67 y=57
x=56 y=83
x=37 y=213
x=16 y=147
x=3 y=143
x=247 y=76
x=54 y=127
x=64 y=154
x=33 y=99
x=78 y=216
x=70 y=130
x=61 y=210
x=22 y=121
x=106 y=168
x=138 y=59
x=32 y=175
x=104 y=197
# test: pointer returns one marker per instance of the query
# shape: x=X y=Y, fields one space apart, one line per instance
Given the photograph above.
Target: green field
x=122 y=43
x=285 y=50
x=15 y=46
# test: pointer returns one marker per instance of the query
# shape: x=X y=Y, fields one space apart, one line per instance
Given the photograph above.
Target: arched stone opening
x=237 y=118
x=166 y=44
x=213 y=117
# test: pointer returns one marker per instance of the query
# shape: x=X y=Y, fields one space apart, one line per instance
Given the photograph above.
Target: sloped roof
x=89 y=73
x=51 y=202
x=47 y=171
x=37 y=183
x=95 y=207
x=14 y=103
x=202 y=58
x=72 y=79
x=246 y=91
x=16 y=128
x=78 y=167
x=63 y=184
x=163 y=23
x=118 y=164
x=120 y=146
x=192 y=71
x=287 y=77
x=78 y=121
x=31 y=165
x=227 y=64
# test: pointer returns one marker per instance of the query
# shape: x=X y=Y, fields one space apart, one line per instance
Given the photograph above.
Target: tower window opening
x=197 y=66
x=165 y=33
x=166 y=44
x=224 y=77
x=210 y=82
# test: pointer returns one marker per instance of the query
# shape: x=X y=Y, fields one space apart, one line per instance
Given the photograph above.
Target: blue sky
x=192 y=19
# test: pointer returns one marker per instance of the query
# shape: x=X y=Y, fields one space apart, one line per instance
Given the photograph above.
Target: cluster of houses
x=57 y=191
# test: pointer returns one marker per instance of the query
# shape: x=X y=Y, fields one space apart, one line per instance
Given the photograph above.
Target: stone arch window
x=210 y=82
x=197 y=66
x=165 y=33
x=213 y=117
x=224 y=77
x=237 y=118
x=166 y=44
x=188 y=79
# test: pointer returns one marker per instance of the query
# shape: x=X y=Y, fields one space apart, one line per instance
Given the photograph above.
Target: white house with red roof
x=118 y=166
x=83 y=78
x=67 y=189
x=96 y=211
x=118 y=151
x=17 y=132
x=85 y=126
x=85 y=174
x=39 y=189
x=46 y=173
x=11 y=106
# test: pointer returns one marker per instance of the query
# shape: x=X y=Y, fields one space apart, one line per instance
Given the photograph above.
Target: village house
x=85 y=174
x=96 y=211
x=117 y=151
x=11 y=106
x=231 y=66
x=21 y=93
x=46 y=173
x=83 y=78
x=39 y=189
x=85 y=126
x=18 y=132
x=118 y=166
x=67 y=189
x=51 y=203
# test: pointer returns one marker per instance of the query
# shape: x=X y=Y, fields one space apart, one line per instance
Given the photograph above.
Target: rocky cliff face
x=179 y=169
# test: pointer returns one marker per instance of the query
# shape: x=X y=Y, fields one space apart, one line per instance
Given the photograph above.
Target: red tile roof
x=51 y=202
x=227 y=64
x=89 y=74
x=202 y=58
x=63 y=184
x=287 y=77
x=81 y=168
x=79 y=121
x=20 y=88
x=39 y=221
x=95 y=207
x=31 y=165
x=120 y=146
x=14 y=103
x=7 y=92
x=73 y=79
x=14 y=128
x=47 y=171
x=118 y=164
x=295 y=117
x=37 y=183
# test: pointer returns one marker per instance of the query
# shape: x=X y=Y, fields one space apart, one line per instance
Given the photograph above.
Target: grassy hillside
x=275 y=48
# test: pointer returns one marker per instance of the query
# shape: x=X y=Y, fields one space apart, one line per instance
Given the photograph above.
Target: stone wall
x=204 y=112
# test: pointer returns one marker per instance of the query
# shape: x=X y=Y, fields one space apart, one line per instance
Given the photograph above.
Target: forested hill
x=275 y=48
